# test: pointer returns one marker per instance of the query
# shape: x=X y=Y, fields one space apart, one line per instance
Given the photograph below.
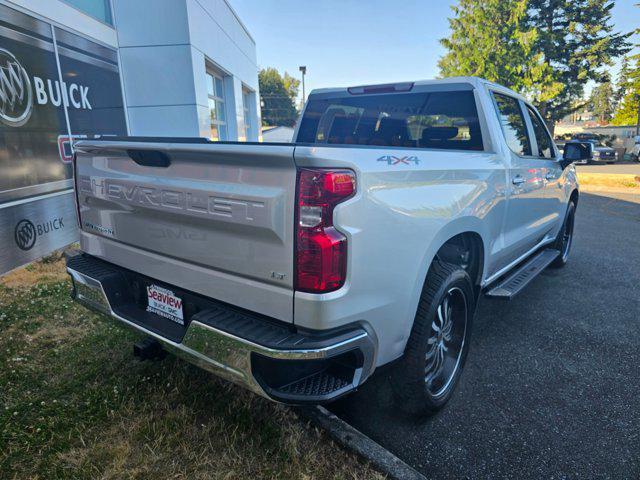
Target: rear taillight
x=321 y=250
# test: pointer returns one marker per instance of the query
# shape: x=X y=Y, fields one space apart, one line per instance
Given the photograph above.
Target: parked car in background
x=600 y=153
x=296 y=270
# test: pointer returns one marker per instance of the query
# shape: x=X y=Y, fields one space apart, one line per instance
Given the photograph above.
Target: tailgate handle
x=150 y=158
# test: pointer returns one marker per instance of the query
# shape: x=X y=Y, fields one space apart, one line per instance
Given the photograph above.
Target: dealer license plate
x=165 y=303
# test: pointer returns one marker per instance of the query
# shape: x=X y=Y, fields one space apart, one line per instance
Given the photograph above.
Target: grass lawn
x=615 y=180
x=74 y=403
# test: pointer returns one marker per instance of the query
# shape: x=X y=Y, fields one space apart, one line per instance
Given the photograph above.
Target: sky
x=356 y=42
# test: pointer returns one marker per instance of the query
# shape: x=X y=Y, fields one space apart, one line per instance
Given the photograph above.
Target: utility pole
x=638 y=121
x=303 y=69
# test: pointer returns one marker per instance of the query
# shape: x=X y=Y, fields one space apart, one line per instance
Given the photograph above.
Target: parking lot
x=551 y=388
x=629 y=168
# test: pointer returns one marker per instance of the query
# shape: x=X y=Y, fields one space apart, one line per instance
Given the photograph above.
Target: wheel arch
x=575 y=196
x=471 y=228
x=466 y=243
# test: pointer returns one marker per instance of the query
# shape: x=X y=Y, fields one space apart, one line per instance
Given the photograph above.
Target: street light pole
x=303 y=69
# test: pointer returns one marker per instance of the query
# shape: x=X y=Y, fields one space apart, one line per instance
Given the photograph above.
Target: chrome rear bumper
x=246 y=362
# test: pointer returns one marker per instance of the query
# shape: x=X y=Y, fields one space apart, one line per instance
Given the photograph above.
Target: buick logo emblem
x=25 y=235
x=16 y=96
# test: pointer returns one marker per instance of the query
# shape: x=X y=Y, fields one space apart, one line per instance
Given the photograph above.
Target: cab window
x=513 y=124
x=543 y=139
x=443 y=120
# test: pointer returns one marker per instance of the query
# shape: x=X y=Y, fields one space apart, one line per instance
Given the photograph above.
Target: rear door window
x=446 y=120
x=513 y=124
x=542 y=137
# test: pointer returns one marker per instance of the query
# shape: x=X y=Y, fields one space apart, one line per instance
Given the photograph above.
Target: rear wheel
x=564 y=240
x=426 y=376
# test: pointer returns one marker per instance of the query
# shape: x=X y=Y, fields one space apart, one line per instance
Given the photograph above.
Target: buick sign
x=16 y=93
x=25 y=234
x=16 y=97
x=49 y=97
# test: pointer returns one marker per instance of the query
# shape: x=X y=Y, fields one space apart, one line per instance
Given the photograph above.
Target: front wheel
x=564 y=240
x=425 y=378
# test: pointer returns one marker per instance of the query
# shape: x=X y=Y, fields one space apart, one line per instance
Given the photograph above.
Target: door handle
x=517 y=180
x=550 y=176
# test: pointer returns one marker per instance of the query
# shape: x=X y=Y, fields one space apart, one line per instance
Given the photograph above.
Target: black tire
x=564 y=240
x=418 y=389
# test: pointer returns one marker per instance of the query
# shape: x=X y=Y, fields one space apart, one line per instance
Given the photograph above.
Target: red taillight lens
x=321 y=250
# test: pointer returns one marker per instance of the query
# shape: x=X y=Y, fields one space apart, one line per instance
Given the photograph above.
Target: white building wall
x=165 y=49
x=220 y=40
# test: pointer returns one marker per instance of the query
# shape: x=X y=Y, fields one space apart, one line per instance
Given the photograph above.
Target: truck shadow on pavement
x=551 y=385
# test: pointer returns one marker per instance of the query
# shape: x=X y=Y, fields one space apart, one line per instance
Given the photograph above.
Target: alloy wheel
x=445 y=345
x=567 y=236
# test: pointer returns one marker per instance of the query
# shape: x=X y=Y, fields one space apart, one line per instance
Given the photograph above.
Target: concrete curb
x=382 y=459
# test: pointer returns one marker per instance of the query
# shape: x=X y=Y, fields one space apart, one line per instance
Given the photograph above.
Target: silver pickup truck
x=298 y=269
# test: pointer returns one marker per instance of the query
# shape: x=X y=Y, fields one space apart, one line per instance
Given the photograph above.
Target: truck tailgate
x=224 y=208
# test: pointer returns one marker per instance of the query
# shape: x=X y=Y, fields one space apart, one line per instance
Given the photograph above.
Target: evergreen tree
x=278 y=107
x=621 y=83
x=577 y=38
x=628 y=112
x=546 y=49
x=602 y=101
x=489 y=39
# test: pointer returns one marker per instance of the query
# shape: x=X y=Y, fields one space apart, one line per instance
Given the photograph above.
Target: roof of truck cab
x=473 y=81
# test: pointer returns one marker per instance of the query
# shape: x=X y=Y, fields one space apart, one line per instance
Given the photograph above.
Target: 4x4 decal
x=391 y=160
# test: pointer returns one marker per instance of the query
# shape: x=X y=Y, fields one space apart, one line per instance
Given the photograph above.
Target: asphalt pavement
x=551 y=388
x=630 y=168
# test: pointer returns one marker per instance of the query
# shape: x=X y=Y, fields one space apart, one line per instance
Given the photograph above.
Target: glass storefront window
x=217 y=112
x=246 y=108
x=99 y=9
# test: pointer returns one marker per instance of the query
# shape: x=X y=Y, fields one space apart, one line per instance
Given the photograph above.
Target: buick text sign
x=55 y=86
x=33 y=229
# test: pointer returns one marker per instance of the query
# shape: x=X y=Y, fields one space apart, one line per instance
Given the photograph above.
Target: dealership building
x=76 y=68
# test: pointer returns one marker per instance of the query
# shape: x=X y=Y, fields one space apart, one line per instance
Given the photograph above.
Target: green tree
x=623 y=79
x=292 y=85
x=602 y=101
x=278 y=107
x=546 y=49
x=628 y=112
x=489 y=39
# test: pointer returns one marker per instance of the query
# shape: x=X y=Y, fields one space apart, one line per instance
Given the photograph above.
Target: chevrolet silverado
x=298 y=269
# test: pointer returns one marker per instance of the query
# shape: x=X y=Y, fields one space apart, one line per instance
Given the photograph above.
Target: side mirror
x=575 y=152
